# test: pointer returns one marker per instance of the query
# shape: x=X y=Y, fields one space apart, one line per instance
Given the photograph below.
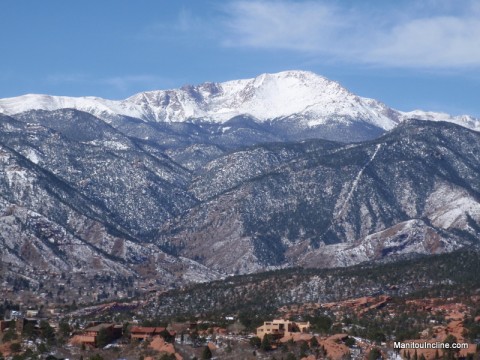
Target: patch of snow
x=114 y=145
x=448 y=207
x=462 y=120
x=32 y=156
x=356 y=180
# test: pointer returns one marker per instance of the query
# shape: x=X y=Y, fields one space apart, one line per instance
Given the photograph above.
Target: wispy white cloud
x=307 y=26
x=185 y=26
x=442 y=41
x=430 y=34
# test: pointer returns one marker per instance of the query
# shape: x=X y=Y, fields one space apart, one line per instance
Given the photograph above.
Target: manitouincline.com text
x=429 y=345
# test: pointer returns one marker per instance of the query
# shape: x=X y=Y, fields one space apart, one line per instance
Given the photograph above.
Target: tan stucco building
x=280 y=328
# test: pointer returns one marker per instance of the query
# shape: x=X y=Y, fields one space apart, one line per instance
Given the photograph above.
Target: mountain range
x=300 y=100
x=191 y=184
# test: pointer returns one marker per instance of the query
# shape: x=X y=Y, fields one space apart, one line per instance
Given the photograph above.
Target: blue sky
x=409 y=54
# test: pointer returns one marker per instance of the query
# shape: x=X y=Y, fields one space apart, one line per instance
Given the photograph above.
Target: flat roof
x=99 y=327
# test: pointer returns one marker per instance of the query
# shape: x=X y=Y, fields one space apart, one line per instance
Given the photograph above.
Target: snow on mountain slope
x=265 y=97
x=303 y=96
x=462 y=120
x=99 y=107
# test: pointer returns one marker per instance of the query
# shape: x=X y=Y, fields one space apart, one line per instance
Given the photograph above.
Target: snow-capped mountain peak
x=307 y=99
x=267 y=96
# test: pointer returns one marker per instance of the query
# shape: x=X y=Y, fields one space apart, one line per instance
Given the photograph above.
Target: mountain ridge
x=302 y=96
x=124 y=203
x=400 y=193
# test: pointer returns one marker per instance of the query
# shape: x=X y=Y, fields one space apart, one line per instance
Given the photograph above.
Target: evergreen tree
x=450 y=352
x=28 y=330
x=15 y=347
x=10 y=335
x=64 y=329
x=349 y=341
x=168 y=357
x=194 y=337
x=96 y=357
x=42 y=348
x=103 y=338
x=323 y=351
x=291 y=356
x=303 y=349
x=167 y=336
x=266 y=346
x=374 y=354
x=47 y=332
x=207 y=353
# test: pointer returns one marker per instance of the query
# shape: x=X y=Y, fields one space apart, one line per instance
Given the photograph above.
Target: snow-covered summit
x=268 y=96
x=303 y=96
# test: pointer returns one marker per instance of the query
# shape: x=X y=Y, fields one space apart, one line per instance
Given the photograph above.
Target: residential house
x=142 y=333
x=21 y=324
x=31 y=313
x=89 y=336
x=279 y=328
